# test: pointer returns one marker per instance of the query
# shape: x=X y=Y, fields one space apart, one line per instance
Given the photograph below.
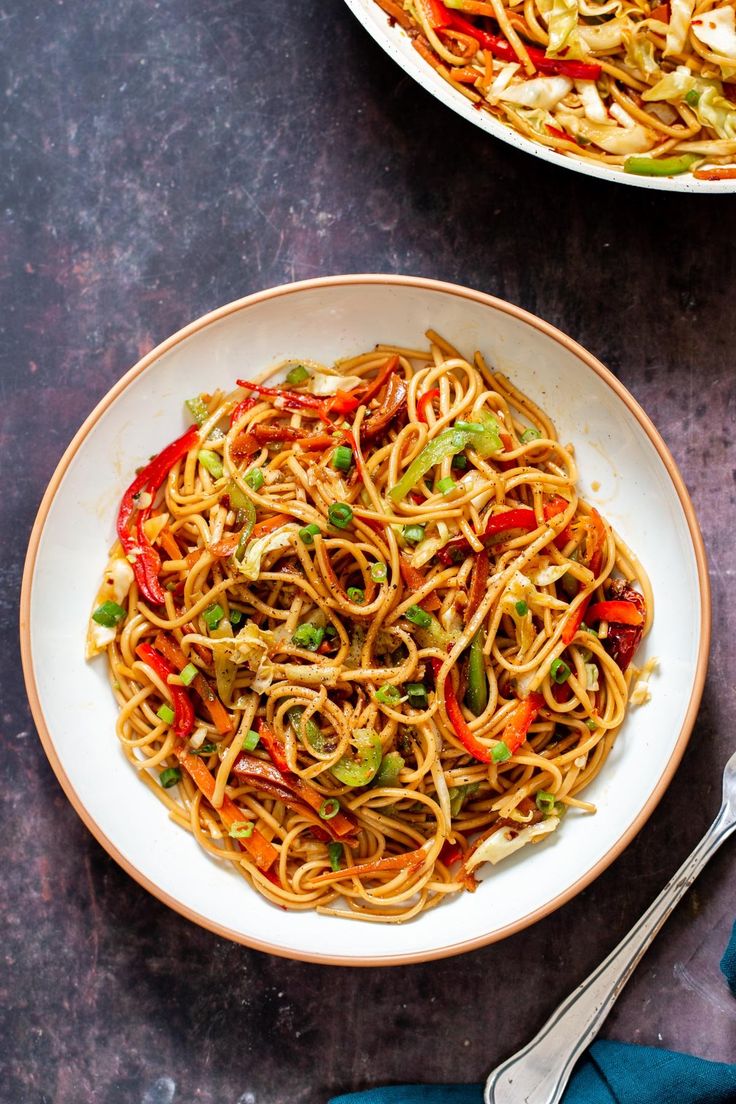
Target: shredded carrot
x=412 y=860
x=466 y=75
x=219 y=715
x=225 y=547
x=167 y=540
x=724 y=172
x=263 y=852
x=268 y=526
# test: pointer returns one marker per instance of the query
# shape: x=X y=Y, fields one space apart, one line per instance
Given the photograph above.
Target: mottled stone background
x=160 y=159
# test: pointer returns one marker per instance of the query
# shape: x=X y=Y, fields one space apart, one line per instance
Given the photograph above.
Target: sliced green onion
x=446 y=485
x=169 y=777
x=500 y=753
x=413 y=533
x=460 y=461
x=418 y=616
x=545 y=802
x=212 y=461
x=379 y=572
x=559 y=672
x=251 y=740
x=329 y=808
x=587 y=628
x=531 y=434
x=692 y=97
x=204 y=749
x=335 y=853
x=236 y=616
x=165 y=713
x=416 y=692
x=213 y=615
x=330 y=632
x=108 y=614
x=298 y=374
x=242 y=829
x=309 y=532
x=255 y=479
x=198 y=409
x=388 y=695
x=591 y=724
x=522 y=608
x=189 y=674
x=355 y=594
x=342 y=458
x=308 y=636
x=340 y=515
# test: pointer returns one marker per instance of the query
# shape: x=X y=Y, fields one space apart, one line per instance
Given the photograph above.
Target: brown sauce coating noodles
x=370 y=672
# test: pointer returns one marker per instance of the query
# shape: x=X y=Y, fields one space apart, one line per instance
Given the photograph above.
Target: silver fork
x=539 y=1072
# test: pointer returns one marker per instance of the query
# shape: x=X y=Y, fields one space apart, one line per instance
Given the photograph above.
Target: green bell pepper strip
x=362 y=768
x=660 y=166
x=309 y=731
x=388 y=772
x=476 y=697
x=481 y=436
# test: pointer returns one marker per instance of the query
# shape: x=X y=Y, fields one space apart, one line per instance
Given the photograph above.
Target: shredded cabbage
x=680 y=15
x=550 y=573
x=540 y=92
x=613 y=139
x=716 y=29
x=327 y=383
x=712 y=109
x=562 y=25
x=604 y=36
x=593 y=105
x=507 y=840
x=250 y=565
x=640 y=54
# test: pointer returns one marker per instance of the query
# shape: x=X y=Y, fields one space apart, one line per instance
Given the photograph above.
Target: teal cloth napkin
x=610 y=1073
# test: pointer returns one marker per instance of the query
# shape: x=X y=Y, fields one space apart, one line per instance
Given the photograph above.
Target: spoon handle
x=539 y=1073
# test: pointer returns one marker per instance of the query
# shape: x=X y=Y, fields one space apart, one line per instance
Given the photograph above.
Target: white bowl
x=617 y=447
x=397 y=44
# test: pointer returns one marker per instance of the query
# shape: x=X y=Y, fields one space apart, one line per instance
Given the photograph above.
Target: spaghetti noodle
x=363 y=634
x=635 y=84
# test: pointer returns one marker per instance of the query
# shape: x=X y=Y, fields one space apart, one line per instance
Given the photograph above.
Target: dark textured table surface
x=161 y=159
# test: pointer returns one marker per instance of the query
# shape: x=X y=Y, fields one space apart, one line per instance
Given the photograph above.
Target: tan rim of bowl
x=695 y=535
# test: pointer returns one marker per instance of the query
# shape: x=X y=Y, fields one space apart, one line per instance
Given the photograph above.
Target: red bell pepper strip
x=623 y=640
x=290 y=400
x=242 y=408
x=343 y=403
x=450 y=853
x=497 y=523
x=460 y=725
x=349 y=438
x=555 y=133
x=375 y=388
x=424 y=401
x=391 y=406
x=435 y=12
x=514 y=734
x=183 y=710
x=622 y=613
x=273 y=746
x=596 y=561
x=340 y=826
x=478 y=584
x=144 y=558
x=263 y=853
x=502 y=48
x=176 y=657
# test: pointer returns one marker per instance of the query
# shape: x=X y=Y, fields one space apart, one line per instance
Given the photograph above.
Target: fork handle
x=539 y=1073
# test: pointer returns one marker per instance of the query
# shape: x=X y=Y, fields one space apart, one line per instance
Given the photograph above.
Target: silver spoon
x=539 y=1072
